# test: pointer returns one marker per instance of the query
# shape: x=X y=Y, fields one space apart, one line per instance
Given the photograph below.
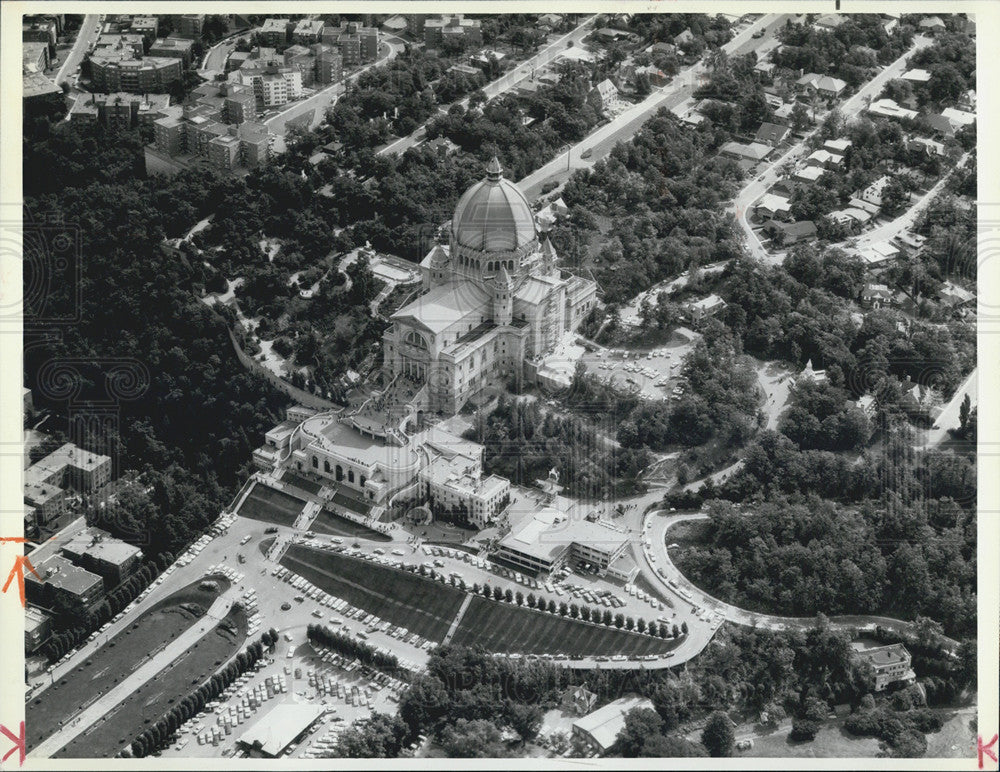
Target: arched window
x=350 y=475
x=326 y=465
x=340 y=473
x=363 y=478
x=415 y=339
x=315 y=463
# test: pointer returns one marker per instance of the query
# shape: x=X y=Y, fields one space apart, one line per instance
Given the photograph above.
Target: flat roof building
x=285 y=723
x=58 y=579
x=891 y=664
x=101 y=553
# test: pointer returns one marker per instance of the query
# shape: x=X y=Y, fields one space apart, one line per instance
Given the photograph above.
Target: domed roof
x=493 y=215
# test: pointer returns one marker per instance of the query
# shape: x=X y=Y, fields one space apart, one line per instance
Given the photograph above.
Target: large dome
x=493 y=215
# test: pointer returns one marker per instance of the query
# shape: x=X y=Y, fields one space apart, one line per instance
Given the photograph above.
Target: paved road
x=504 y=83
x=145 y=672
x=949 y=418
x=323 y=99
x=90 y=30
x=849 y=109
x=624 y=126
x=893 y=228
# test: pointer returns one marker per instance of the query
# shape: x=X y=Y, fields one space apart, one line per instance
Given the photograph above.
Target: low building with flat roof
x=552 y=537
x=600 y=729
x=71 y=467
x=285 y=723
x=101 y=553
x=59 y=579
x=37 y=626
x=457 y=480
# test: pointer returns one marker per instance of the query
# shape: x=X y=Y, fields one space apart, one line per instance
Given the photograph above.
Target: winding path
x=656 y=558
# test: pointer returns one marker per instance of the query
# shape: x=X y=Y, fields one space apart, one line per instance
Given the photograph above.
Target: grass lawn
x=271 y=506
x=503 y=627
x=309 y=486
x=832 y=741
x=420 y=605
x=328 y=523
x=115 y=659
x=151 y=701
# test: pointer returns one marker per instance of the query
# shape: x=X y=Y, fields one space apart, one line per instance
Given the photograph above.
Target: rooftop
x=102 y=546
x=883 y=656
x=604 y=724
x=284 y=723
x=58 y=572
x=444 y=305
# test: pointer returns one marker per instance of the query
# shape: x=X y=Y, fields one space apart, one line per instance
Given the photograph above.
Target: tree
x=574 y=610
x=718 y=736
x=684 y=628
x=473 y=739
x=563 y=609
x=640 y=625
x=640 y=725
x=519 y=598
x=532 y=600
x=676 y=631
x=508 y=595
x=963 y=413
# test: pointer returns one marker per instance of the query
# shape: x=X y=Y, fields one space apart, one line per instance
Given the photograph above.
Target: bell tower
x=503 y=297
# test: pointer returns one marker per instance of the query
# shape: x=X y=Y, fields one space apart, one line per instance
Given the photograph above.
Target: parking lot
x=655 y=373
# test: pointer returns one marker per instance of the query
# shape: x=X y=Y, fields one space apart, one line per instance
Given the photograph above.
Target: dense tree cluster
x=350 y=646
x=845 y=52
x=643 y=736
x=136 y=301
x=720 y=402
x=381 y=737
x=523 y=441
x=821 y=417
x=802 y=557
x=664 y=194
x=780 y=317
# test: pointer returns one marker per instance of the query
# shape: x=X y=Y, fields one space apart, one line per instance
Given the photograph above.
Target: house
x=939 y=125
x=655 y=75
x=809 y=173
x=958 y=118
x=889 y=24
x=929 y=146
x=867 y=405
x=913 y=241
x=579 y=700
x=873 y=193
x=825 y=159
x=853 y=216
x=967 y=101
x=605 y=97
x=829 y=22
x=754 y=151
x=662 y=48
x=552 y=19
x=684 y=37
x=772 y=133
x=917 y=76
x=876 y=295
x=877 y=254
x=955 y=296
x=824 y=85
x=887 y=108
x=705 y=308
x=931 y=25
x=791 y=233
x=772 y=207
x=767 y=68
x=891 y=665
x=838 y=146
x=441 y=146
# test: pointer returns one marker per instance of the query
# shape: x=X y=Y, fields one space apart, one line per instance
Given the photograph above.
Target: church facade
x=492 y=300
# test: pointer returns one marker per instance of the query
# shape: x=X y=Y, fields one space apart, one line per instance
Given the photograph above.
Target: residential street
x=624 y=126
x=504 y=83
x=759 y=185
x=89 y=31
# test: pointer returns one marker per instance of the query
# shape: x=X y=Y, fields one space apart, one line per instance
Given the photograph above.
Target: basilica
x=492 y=301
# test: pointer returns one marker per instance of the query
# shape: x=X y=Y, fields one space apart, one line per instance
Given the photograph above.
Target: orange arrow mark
x=18 y=570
